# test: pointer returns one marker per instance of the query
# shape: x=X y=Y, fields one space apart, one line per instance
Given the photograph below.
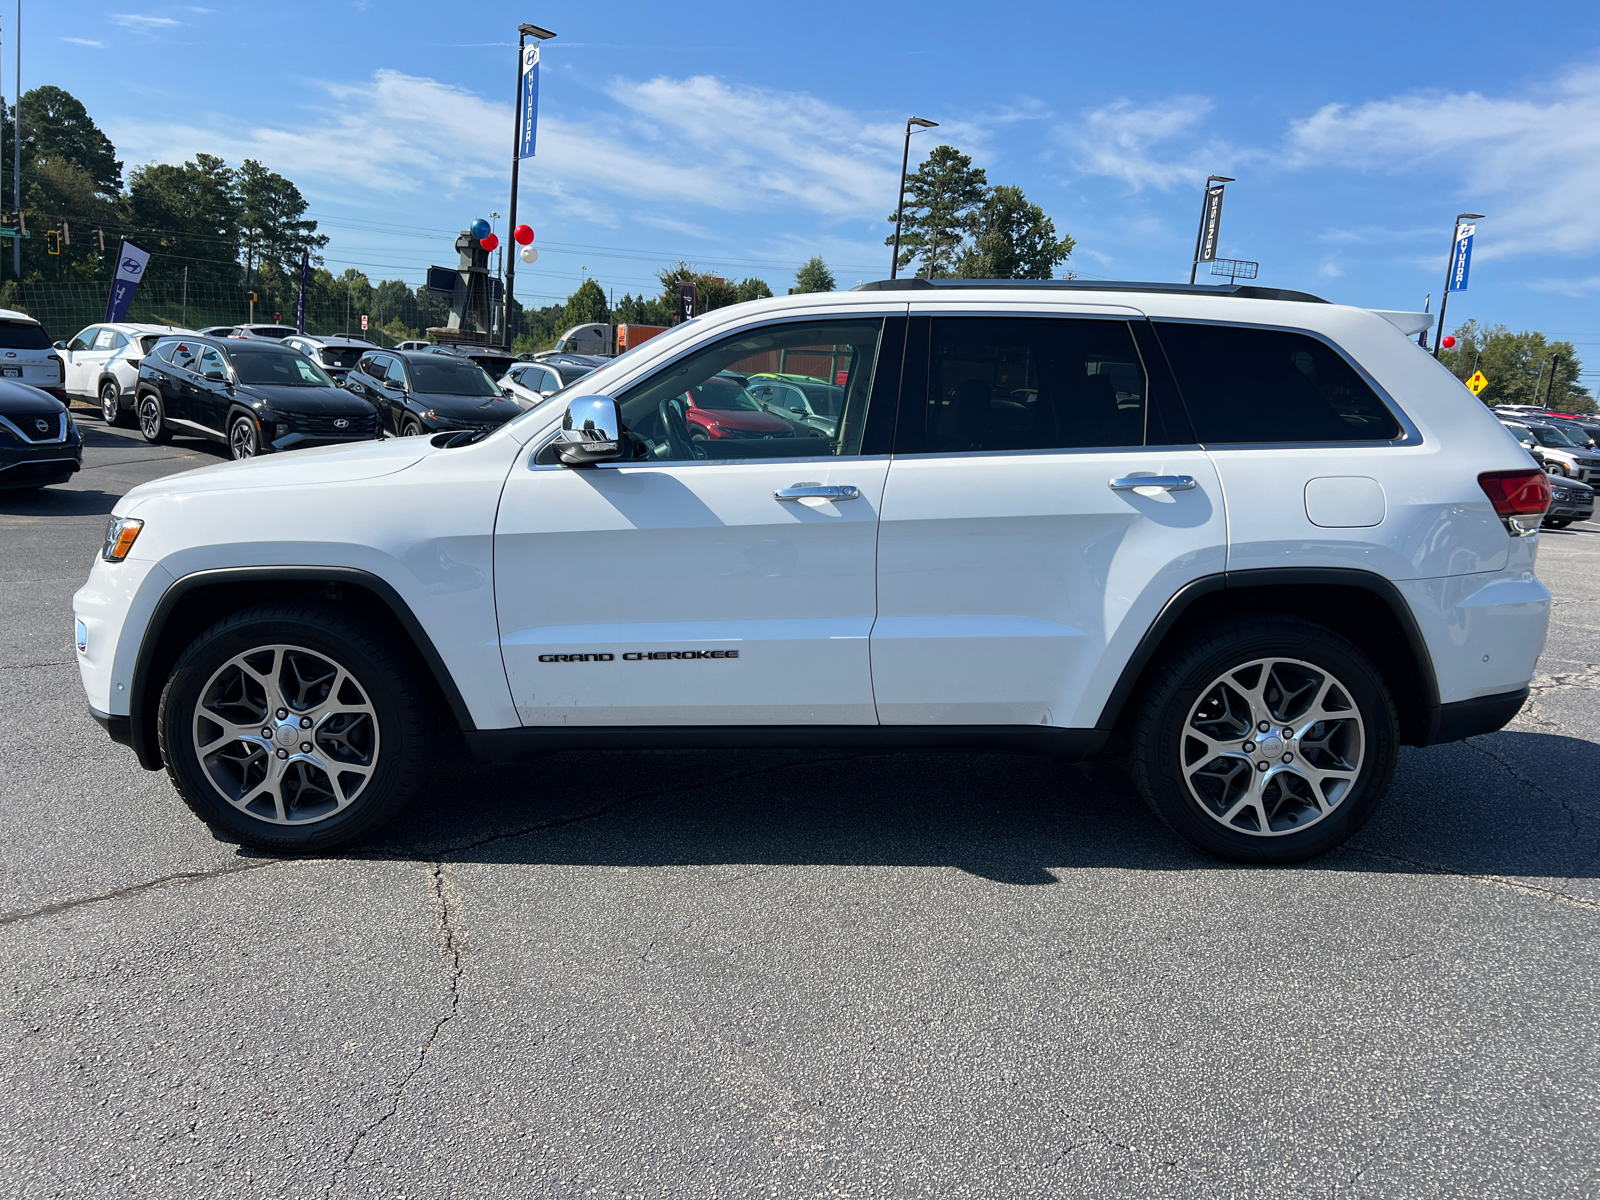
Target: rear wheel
x=153 y=418
x=293 y=727
x=111 y=410
x=1266 y=740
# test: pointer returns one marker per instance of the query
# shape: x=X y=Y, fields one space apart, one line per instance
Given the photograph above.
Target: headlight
x=121 y=532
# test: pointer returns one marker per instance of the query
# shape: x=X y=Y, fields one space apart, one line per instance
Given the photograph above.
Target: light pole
x=1449 y=262
x=524 y=32
x=1199 y=235
x=900 y=209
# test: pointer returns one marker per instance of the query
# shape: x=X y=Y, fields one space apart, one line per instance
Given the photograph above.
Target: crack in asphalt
x=1500 y=881
x=66 y=662
x=178 y=879
x=1512 y=771
x=449 y=931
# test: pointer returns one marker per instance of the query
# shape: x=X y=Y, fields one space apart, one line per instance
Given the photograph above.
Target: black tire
x=1160 y=747
x=411 y=427
x=111 y=410
x=1561 y=523
x=404 y=722
x=152 y=415
x=244 y=439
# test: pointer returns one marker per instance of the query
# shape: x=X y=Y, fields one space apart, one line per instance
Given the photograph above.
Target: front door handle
x=1170 y=483
x=808 y=491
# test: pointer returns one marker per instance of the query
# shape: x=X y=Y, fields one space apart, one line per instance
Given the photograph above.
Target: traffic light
x=250 y=297
x=52 y=241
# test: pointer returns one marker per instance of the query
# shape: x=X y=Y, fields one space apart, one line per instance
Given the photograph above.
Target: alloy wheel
x=150 y=418
x=110 y=403
x=1272 y=747
x=242 y=439
x=285 y=735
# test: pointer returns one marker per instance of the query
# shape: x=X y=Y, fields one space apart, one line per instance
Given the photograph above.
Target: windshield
x=570 y=374
x=278 y=370
x=1549 y=435
x=15 y=335
x=724 y=395
x=441 y=377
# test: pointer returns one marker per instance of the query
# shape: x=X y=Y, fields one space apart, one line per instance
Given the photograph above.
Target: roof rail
x=1247 y=291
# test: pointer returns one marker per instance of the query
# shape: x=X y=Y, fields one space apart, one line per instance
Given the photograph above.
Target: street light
x=1200 y=233
x=1449 y=262
x=900 y=209
x=524 y=32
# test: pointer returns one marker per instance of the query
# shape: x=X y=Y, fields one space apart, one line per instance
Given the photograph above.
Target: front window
x=701 y=406
x=279 y=370
x=1525 y=436
x=441 y=377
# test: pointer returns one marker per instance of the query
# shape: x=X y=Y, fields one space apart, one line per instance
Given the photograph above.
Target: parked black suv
x=39 y=441
x=418 y=392
x=256 y=395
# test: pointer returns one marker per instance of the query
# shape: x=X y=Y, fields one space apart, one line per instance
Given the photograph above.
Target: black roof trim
x=1246 y=291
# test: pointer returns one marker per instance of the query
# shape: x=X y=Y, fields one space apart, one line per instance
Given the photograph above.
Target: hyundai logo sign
x=132 y=266
x=341 y=423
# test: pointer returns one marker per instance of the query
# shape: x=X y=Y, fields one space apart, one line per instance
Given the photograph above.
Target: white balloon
x=528 y=254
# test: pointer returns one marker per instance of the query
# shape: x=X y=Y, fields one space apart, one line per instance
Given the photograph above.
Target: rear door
x=1020 y=559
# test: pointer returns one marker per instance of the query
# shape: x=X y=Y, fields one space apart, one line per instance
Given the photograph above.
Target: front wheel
x=293 y=727
x=1266 y=740
x=411 y=427
x=243 y=439
x=153 y=419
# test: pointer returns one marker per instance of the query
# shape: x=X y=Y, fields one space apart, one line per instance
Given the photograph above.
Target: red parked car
x=721 y=408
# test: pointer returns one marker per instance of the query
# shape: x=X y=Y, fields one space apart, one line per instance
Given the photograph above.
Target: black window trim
x=1410 y=435
x=1131 y=317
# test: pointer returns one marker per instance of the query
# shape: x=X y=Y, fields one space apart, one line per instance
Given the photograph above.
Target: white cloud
x=1119 y=141
x=1532 y=163
x=1330 y=267
x=85 y=42
x=142 y=22
x=1578 y=289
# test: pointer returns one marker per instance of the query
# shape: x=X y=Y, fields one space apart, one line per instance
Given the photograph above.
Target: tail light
x=1521 y=498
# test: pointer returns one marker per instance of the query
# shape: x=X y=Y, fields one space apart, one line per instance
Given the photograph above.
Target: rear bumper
x=119 y=729
x=1467 y=718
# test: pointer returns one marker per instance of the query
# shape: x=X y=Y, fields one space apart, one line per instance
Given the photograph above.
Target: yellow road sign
x=1478 y=382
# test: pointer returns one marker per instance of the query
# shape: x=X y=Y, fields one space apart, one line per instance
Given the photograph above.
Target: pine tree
x=814 y=276
x=940 y=200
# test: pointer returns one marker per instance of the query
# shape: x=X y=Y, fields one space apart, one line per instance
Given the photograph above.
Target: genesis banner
x=1212 y=224
x=530 y=99
x=1461 y=263
x=130 y=270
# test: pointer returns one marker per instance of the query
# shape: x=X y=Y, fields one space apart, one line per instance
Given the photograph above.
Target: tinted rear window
x=14 y=335
x=1245 y=384
x=442 y=377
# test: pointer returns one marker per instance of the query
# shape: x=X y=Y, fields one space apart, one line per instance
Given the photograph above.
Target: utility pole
x=184 y=320
x=1555 y=365
x=16 y=146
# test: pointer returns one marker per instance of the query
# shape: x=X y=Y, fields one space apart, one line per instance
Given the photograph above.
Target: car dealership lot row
x=736 y=973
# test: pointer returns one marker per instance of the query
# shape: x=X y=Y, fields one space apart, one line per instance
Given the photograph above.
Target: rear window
x=1244 y=384
x=341 y=356
x=441 y=377
x=570 y=374
x=17 y=335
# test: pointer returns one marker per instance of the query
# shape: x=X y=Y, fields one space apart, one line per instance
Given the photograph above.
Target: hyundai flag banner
x=1461 y=264
x=530 y=99
x=300 y=304
x=130 y=269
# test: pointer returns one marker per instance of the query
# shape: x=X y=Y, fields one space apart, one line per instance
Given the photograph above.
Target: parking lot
x=786 y=974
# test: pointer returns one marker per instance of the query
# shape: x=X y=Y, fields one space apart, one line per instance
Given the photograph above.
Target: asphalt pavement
x=684 y=974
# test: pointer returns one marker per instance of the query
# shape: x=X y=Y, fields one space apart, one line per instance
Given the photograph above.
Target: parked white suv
x=26 y=355
x=1249 y=541
x=102 y=364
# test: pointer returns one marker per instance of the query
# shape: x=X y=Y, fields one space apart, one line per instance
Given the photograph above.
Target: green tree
x=752 y=289
x=1518 y=365
x=711 y=291
x=1012 y=239
x=272 y=224
x=940 y=201
x=393 y=301
x=586 y=304
x=642 y=310
x=814 y=276
x=187 y=215
x=57 y=128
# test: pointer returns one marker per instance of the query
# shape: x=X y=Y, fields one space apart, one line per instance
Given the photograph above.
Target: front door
x=715 y=580
x=85 y=355
x=1020 y=560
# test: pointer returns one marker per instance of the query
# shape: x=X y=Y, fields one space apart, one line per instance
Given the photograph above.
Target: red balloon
x=523 y=234
x=1449 y=342
x=490 y=242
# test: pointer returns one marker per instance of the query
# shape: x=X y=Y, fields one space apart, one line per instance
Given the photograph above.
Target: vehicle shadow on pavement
x=1475 y=808
x=58 y=502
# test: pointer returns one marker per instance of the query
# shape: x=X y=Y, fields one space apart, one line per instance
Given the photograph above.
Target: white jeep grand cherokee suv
x=1249 y=541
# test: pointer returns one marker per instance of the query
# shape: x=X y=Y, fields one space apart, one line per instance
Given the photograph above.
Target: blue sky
x=746 y=137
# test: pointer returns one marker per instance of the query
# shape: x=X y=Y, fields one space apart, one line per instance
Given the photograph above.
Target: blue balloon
x=480 y=229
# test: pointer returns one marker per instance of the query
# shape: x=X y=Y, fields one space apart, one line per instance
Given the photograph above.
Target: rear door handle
x=808 y=491
x=1171 y=483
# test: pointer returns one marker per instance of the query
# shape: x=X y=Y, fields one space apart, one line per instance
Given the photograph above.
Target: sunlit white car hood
x=298 y=468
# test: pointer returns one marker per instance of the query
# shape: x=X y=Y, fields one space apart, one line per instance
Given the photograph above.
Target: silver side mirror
x=591 y=432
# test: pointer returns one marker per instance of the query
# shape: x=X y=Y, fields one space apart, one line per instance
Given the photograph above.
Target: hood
x=301 y=468
x=318 y=401
x=751 y=422
x=492 y=409
x=18 y=399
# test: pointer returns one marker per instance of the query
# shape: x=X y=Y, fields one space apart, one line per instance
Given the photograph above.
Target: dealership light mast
x=900 y=208
x=524 y=32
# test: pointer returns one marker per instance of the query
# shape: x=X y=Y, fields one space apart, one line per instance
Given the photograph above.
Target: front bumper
x=36 y=466
x=304 y=441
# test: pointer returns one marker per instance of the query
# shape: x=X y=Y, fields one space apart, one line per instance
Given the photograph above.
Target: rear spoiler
x=1408 y=323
